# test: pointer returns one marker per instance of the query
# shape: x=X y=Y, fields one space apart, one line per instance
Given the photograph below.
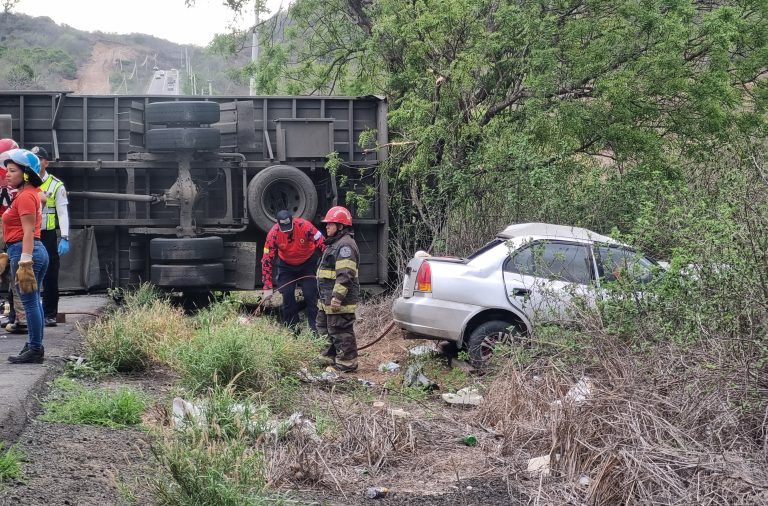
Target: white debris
x=278 y=428
x=379 y=404
x=307 y=427
x=327 y=376
x=467 y=396
x=580 y=391
x=389 y=367
x=400 y=413
x=423 y=349
x=421 y=254
x=584 y=480
x=539 y=465
x=185 y=412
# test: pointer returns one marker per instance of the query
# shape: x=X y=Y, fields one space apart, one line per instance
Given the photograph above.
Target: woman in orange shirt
x=28 y=257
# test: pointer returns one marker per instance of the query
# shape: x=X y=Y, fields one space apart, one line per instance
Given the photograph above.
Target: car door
x=551 y=280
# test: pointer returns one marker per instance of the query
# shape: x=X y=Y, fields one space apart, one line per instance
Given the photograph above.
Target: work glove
x=3 y=262
x=267 y=294
x=63 y=247
x=335 y=305
x=25 y=277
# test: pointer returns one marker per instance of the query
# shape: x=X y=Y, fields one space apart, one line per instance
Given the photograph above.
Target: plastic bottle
x=376 y=492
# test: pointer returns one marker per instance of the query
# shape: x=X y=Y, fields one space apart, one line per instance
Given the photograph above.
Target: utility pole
x=255 y=44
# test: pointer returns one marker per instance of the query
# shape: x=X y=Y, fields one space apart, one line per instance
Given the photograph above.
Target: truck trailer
x=182 y=192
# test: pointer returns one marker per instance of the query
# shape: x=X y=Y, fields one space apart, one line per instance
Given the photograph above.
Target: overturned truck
x=181 y=193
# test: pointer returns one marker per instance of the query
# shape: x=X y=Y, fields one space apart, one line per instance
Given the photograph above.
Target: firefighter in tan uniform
x=339 y=290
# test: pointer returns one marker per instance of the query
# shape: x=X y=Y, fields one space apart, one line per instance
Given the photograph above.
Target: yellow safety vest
x=49 y=214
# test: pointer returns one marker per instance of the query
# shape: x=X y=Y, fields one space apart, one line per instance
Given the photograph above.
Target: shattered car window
x=616 y=262
x=553 y=260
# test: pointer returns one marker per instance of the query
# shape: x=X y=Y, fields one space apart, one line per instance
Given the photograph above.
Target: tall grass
x=212 y=460
x=75 y=404
x=138 y=333
x=250 y=357
x=203 y=472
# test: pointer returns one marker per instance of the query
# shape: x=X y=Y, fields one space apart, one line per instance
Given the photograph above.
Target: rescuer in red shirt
x=295 y=242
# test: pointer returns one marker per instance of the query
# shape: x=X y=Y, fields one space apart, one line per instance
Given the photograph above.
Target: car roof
x=549 y=230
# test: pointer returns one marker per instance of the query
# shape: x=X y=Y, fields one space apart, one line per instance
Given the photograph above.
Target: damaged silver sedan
x=531 y=273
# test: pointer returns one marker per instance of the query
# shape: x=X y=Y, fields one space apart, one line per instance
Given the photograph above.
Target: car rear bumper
x=429 y=317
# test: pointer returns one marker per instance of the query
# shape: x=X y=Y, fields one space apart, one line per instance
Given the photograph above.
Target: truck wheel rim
x=284 y=195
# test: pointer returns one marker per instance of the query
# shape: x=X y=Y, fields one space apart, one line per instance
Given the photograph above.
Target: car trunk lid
x=412 y=269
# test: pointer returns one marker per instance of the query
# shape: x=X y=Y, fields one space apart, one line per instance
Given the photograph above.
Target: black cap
x=285 y=220
x=41 y=153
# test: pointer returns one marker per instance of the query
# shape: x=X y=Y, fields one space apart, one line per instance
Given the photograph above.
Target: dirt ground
x=93 y=79
x=81 y=465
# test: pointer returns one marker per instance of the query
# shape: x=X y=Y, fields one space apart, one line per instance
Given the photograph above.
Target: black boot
x=28 y=356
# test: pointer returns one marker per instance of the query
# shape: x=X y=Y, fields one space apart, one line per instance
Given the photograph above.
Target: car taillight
x=424 y=278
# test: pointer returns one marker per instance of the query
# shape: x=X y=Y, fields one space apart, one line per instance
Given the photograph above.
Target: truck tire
x=188 y=248
x=174 y=139
x=187 y=275
x=280 y=187
x=183 y=113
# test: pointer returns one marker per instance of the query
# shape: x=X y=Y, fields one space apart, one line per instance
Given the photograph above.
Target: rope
x=257 y=312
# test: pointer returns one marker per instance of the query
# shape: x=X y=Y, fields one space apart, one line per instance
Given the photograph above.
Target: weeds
x=204 y=472
x=87 y=370
x=213 y=460
x=10 y=463
x=73 y=403
x=227 y=415
x=136 y=334
x=251 y=357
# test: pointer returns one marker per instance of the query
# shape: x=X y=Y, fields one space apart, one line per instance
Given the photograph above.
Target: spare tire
x=280 y=187
x=187 y=276
x=182 y=113
x=188 y=248
x=174 y=139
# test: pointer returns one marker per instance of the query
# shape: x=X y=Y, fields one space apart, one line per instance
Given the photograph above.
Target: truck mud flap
x=182 y=276
x=186 y=249
x=173 y=139
x=79 y=269
x=182 y=113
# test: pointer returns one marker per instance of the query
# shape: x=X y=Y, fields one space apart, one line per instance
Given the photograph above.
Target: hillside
x=38 y=54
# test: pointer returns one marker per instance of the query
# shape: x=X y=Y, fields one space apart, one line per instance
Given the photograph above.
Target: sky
x=167 y=19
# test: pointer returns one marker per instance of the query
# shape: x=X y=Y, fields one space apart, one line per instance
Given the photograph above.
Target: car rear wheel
x=486 y=336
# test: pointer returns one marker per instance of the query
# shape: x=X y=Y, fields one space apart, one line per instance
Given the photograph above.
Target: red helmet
x=338 y=214
x=7 y=145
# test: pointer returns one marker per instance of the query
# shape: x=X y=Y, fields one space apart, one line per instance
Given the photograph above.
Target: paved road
x=19 y=384
x=164 y=82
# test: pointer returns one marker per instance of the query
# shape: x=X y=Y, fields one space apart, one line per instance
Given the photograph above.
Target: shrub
x=73 y=403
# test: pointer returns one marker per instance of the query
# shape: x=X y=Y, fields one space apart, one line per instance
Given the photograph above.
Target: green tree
x=496 y=106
